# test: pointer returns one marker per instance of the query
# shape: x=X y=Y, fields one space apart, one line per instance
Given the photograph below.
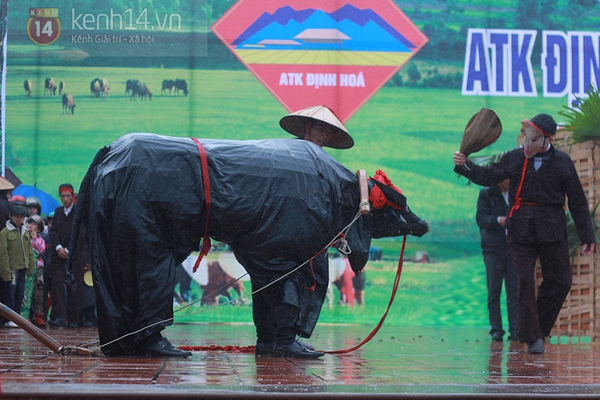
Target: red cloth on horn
x=376 y=196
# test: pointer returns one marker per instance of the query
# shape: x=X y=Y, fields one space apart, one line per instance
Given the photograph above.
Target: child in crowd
x=35 y=226
x=47 y=263
x=16 y=258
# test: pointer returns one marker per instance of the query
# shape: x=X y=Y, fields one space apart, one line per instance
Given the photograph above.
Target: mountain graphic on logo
x=346 y=29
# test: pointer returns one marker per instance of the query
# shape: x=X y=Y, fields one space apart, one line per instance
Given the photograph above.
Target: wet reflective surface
x=398 y=362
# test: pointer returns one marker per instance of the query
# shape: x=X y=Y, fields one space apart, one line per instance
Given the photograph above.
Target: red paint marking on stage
x=231 y=349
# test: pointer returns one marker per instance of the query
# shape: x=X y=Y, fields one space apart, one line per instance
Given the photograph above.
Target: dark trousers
x=261 y=314
x=66 y=302
x=13 y=292
x=538 y=315
x=499 y=268
x=275 y=321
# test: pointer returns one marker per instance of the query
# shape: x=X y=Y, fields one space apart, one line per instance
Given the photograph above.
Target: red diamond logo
x=310 y=52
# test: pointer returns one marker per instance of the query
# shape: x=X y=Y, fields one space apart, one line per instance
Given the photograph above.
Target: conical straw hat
x=483 y=129
x=295 y=123
x=5 y=184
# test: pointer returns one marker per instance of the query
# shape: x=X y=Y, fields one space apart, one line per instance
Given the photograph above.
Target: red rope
x=312 y=271
x=518 y=199
x=251 y=349
x=206 y=180
x=380 y=324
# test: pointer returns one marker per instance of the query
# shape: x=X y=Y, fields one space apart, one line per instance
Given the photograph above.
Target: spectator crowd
x=33 y=251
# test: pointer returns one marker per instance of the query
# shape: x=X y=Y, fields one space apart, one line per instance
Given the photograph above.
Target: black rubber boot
x=286 y=344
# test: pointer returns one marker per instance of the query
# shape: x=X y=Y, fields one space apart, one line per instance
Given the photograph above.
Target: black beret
x=546 y=123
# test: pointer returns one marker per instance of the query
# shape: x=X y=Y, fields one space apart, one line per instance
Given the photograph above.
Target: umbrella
x=48 y=202
x=483 y=129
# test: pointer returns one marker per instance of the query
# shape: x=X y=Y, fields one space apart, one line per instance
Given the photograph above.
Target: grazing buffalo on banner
x=49 y=87
x=130 y=85
x=277 y=202
x=27 y=85
x=68 y=103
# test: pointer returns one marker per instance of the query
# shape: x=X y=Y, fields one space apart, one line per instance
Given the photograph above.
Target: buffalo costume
x=537 y=225
x=276 y=202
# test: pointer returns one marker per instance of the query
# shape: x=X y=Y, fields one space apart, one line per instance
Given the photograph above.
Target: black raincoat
x=276 y=202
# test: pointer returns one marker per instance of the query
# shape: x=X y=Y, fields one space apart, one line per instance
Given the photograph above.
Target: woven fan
x=483 y=129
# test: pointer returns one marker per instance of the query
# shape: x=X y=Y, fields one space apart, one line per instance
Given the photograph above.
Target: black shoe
x=58 y=322
x=295 y=350
x=536 y=347
x=497 y=336
x=163 y=348
x=306 y=345
x=264 y=349
x=72 y=325
x=513 y=338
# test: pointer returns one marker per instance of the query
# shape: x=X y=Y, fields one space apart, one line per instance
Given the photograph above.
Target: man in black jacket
x=492 y=209
x=540 y=178
x=66 y=306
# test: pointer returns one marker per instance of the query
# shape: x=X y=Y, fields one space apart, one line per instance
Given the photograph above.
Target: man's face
x=535 y=141
x=66 y=198
x=319 y=134
x=17 y=219
x=31 y=211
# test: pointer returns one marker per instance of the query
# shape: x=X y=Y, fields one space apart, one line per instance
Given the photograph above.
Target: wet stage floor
x=400 y=362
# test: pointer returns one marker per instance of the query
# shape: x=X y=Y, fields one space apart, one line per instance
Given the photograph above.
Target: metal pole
x=30 y=328
x=40 y=335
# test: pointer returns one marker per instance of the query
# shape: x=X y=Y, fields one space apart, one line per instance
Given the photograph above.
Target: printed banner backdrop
x=406 y=77
x=309 y=52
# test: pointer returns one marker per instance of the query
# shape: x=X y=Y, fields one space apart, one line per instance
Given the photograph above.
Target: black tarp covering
x=276 y=202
